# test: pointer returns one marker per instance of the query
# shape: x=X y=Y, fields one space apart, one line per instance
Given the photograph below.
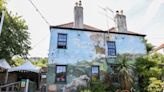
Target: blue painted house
x=78 y=49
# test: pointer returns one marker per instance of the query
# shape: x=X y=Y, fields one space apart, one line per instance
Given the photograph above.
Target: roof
x=27 y=66
x=160 y=47
x=71 y=25
x=93 y=29
x=113 y=29
x=4 y=64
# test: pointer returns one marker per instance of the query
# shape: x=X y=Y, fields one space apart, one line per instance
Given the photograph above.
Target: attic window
x=62 y=41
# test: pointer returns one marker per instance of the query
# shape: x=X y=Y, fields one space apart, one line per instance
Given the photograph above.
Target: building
x=159 y=49
x=78 y=49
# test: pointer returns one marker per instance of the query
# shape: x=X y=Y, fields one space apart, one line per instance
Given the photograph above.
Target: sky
x=143 y=16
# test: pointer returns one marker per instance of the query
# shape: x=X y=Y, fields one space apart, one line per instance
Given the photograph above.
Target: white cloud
x=150 y=13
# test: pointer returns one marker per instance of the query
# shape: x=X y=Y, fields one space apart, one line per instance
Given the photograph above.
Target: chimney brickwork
x=78 y=15
x=120 y=21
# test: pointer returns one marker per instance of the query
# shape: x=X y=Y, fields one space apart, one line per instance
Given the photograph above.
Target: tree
x=148 y=67
x=149 y=46
x=17 y=61
x=125 y=72
x=41 y=62
x=155 y=85
x=14 y=39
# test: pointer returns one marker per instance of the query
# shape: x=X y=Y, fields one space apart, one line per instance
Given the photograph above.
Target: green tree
x=125 y=72
x=41 y=62
x=14 y=39
x=148 y=67
x=155 y=85
x=17 y=61
x=158 y=57
x=149 y=46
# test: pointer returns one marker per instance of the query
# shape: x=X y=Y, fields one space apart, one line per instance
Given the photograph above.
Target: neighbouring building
x=159 y=49
x=78 y=49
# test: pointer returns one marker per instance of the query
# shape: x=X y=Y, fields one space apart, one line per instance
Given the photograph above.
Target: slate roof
x=113 y=29
x=94 y=29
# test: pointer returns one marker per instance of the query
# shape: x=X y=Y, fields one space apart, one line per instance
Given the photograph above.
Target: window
x=62 y=41
x=111 y=48
x=115 y=75
x=61 y=73
x=95 y=73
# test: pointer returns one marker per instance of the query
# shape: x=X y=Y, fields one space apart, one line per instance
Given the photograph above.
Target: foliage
x=14 y=37
x=86 y=90
x=125 y=72
x=42 y=62
x=144 y=64
x=98 y=86
x=148 y=67
x=17 y=61
x=149 y=46
x=158 y=57
x=155 y=85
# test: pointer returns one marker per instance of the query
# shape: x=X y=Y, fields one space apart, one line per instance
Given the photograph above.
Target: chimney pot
x=76 y=4
x=80 y=3
x=121 y=12
x=117 y=12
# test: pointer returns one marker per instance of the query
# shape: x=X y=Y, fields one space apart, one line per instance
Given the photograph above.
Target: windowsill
x=62 y=48
x=111 y=56
x=60 y=82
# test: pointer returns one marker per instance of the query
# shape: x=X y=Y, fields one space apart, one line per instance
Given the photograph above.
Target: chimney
x=78 y=15
x=120 y=20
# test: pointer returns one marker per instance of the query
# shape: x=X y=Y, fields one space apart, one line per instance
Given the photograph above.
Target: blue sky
x=143 y=16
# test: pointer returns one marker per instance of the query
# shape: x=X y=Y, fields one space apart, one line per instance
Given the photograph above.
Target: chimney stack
x=78 y=15
x=120 y=20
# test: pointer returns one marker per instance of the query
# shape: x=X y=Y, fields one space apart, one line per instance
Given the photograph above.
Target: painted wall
x=83 y=45
x=85 y=49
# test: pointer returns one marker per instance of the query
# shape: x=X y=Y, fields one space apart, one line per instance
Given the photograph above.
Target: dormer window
x=111 y=48
x=62 y=41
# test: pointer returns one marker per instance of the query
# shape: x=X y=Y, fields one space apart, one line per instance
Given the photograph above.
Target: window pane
x=62 y=36
x=111 y=52
x=62 y=39
x=111 y=45
x=62 y=43
x=94 y=70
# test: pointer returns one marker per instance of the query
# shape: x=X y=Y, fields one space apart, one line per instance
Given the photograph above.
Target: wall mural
x=86 y=54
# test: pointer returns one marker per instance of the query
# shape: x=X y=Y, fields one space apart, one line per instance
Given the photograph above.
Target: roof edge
x=102 y=31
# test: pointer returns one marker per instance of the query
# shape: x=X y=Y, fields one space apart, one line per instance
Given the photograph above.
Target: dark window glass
x=111 y=48
x=115 y=75
x=61 y=73
x=95 y=73
x=62 y=41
